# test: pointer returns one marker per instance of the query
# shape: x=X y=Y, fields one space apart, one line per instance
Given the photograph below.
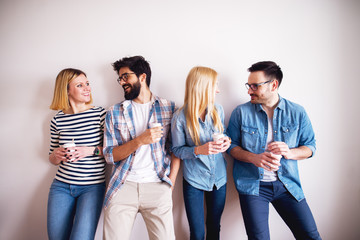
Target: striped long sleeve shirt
x=85 y=129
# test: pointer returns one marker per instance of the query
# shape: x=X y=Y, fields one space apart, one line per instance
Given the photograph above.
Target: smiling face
x=130 y=83
x=79 y=90
x=265 y=92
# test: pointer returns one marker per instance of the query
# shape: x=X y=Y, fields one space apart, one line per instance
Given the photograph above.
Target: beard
x=134 y=92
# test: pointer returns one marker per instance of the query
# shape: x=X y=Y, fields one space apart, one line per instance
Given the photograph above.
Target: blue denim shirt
x=201 y=171
x=248 y=128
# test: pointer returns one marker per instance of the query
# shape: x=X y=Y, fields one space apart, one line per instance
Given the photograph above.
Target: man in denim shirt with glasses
x=269 y=135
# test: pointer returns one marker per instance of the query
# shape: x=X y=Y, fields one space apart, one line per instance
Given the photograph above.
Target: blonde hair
x=60 y=99
x=199 y=97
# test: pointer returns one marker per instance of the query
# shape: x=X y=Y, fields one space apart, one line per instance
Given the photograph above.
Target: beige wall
x=315 y=42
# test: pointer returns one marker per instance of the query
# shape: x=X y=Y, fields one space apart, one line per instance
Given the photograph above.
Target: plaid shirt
x=119 y=129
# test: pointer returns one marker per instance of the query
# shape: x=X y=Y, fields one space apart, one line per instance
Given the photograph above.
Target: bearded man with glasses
x=136 y=144
x=269 y=135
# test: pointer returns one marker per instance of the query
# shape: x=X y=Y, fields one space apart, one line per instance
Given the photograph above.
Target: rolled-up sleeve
x=178 y=136
x=109 y=138
x=307 y=135
x=233 y=130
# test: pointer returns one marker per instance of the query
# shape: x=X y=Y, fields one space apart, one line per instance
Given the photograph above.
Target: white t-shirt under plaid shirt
x=119 y=129
x=143 y=169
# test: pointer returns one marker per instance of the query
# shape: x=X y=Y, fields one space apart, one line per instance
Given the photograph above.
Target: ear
x=142 y=77
x=274 y=84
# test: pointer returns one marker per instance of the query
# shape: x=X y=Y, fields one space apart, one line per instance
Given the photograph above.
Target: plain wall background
x=315 y=42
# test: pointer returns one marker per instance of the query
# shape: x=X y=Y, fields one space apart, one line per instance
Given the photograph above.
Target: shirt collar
x=281 y=104
x=153 y=99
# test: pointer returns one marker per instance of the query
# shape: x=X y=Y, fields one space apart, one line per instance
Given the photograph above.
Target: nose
x=250 y=91
x=121 y=82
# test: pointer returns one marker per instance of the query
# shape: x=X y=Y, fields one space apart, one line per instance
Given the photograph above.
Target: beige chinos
x=152 y=200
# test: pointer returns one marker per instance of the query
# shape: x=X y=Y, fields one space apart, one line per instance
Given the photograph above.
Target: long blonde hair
x=199 y=97
x=60 y=99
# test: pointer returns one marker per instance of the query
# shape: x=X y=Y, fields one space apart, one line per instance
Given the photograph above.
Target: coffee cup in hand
x=277 y=156
x=154 y=125
x=217 y=136
x=68 y=145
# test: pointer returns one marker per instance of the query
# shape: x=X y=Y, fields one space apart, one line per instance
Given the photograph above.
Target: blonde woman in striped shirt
x=77 y=192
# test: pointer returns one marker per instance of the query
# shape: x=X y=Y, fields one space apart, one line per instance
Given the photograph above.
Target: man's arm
x=299 y=153
x=306 y=145
x=266 y=160
x=116 y=150
x=150 y=136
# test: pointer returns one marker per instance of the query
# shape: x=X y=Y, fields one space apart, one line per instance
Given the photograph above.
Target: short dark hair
x=137 y=64
x=270 y=69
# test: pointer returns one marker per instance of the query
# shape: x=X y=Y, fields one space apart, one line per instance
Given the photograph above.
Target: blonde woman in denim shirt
x=204 y=165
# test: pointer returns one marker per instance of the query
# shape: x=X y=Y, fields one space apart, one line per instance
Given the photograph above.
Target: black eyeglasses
x=124 y=77
x=255 y=86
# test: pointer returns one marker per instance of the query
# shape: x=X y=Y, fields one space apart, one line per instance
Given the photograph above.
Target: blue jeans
x=297 y=215
x=194 y=206
x=74 y=210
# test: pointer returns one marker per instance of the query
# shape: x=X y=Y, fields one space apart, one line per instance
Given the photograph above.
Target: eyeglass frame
x=124 y=77
x=256 y=85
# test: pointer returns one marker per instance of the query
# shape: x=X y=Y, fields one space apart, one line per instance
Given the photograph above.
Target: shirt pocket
x=249 y=138
x=289 y=135
x=122 y=132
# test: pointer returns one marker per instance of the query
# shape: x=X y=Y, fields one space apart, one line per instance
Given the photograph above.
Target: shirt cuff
x=312 y=148
x=194 y=155
x=231 y=147
x=108 y=154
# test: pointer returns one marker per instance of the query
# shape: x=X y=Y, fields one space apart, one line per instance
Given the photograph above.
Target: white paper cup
x=217 y=136
x=278 y=156
x=70 y=144
x=155 y=124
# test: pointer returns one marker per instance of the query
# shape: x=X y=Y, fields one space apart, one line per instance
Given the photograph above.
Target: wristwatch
x=96 y=151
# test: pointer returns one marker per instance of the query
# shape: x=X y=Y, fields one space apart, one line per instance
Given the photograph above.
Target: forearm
x=240 y=154
x=123 y=151
x=299 y=153
x=174 y=167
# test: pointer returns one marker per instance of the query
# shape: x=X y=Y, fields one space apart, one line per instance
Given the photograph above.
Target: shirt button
x=275 y=131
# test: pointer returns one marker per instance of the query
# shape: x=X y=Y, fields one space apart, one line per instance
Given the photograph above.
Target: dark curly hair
x=137 y=64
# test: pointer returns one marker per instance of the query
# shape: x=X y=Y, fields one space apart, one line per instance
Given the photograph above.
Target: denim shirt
x=248 y=129
x=200 y=171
